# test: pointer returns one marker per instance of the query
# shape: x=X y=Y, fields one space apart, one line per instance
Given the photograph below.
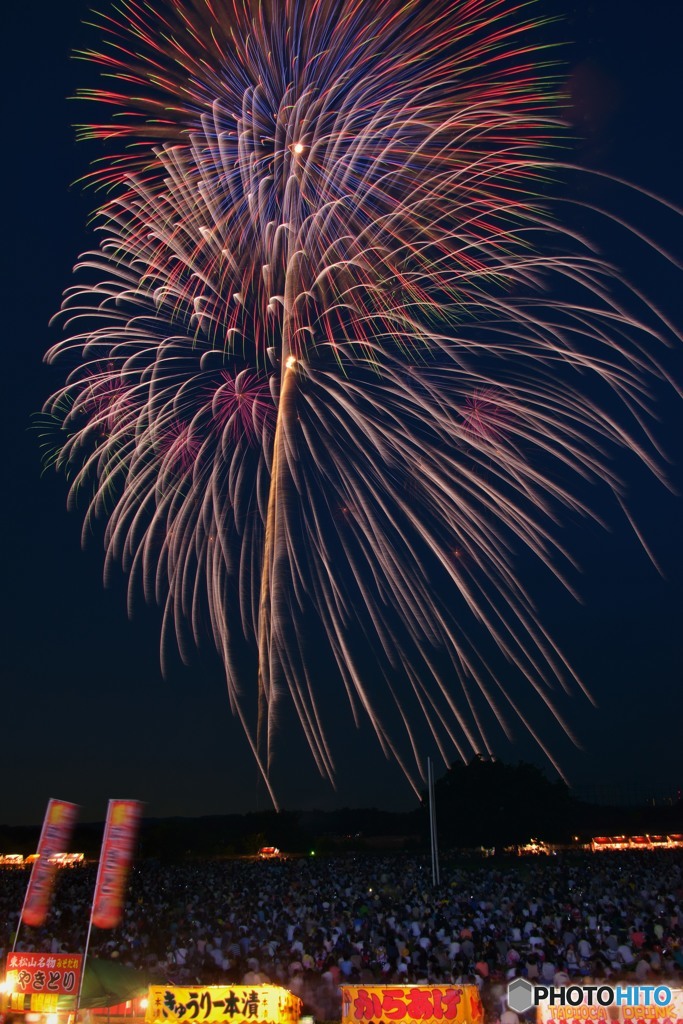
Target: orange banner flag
x=115 y=859
x=54 y=838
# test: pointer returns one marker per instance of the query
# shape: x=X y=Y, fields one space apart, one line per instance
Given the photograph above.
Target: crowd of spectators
x=313 y=923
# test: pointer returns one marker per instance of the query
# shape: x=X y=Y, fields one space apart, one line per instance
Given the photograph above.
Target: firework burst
x=322 y=283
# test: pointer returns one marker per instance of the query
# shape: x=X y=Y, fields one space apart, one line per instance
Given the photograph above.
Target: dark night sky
x=87 y=715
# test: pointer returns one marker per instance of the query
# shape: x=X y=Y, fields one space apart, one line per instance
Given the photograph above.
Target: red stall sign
x=55 y=974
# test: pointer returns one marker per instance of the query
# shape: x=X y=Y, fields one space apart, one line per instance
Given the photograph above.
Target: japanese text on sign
x=44 y=973
x=458 y=1004
x=265 y=1004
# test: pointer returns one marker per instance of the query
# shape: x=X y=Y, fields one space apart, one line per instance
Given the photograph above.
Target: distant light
x=298 y=147
x=312 y=853
x=291 y=360
x=52 y=1018
x=144 y=1003
x=6 y=987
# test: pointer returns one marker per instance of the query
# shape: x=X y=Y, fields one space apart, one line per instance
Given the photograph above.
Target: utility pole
x=436 y=878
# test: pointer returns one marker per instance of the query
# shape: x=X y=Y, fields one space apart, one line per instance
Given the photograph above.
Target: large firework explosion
x=336 y=360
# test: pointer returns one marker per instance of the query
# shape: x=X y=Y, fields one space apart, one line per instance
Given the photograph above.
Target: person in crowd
x=315 y=924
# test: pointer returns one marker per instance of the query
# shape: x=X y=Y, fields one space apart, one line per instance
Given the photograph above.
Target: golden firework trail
x=340 y=357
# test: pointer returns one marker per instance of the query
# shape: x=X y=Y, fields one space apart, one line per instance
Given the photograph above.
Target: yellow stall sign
x=227 y=1004
x=40 y=1002
x=429 y=1004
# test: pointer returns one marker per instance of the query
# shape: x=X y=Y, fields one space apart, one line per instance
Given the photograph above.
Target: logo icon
x=520 y=995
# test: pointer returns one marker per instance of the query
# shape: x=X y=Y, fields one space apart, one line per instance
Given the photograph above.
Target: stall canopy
x=107 y=983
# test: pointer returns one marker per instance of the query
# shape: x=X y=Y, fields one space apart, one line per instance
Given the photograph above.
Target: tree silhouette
x=490 y=803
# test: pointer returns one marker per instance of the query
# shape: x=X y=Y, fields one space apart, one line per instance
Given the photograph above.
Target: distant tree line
x=484 y=803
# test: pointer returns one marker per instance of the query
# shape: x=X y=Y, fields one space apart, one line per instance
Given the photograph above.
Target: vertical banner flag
x=54 y=838
x=115 y=860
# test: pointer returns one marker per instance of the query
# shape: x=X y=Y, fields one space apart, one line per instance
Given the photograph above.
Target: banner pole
x=431 y=817
x=432 y=823
x=92 y=911
x=85 y=964
x=21 y=913
x=436 y=837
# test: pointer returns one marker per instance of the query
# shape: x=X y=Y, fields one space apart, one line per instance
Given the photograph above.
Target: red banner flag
x=54 y=838
x=115 y=860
